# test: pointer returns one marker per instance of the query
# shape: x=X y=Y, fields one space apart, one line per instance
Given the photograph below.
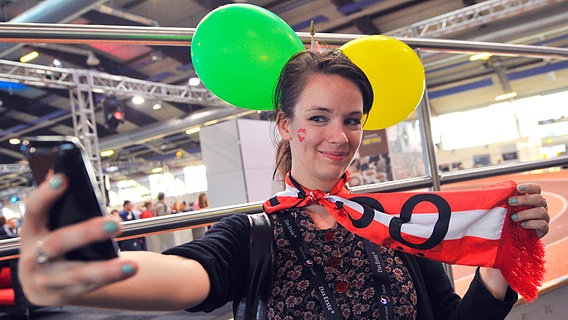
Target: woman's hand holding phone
x=67 y=240
x=82 y=200
x=47 y=276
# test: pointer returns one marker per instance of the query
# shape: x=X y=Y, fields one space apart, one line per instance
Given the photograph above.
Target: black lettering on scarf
x=368 y=205
x=440 y=227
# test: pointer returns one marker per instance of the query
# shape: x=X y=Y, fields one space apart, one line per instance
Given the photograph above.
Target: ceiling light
x=194 y=82
x=29 y=56
x=157 y=170
x=14 y=141
x=193 y=130
x=92 y=60
x=107 y=153
x=113 y=113
x=480 y=56
x=138 y=100
x=210 y=123
x=506 y=96
x=157 y=106
x=56 y=63
x=115 y=119
x=36 y=83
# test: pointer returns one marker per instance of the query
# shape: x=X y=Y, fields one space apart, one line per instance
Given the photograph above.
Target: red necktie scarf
x=470 y=227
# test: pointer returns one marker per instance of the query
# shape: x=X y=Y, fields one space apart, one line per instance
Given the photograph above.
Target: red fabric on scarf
x=470 y=227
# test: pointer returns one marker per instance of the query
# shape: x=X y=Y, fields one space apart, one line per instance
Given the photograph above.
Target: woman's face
x=325 y=131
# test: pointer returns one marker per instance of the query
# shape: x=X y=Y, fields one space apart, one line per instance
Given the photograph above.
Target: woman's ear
x=283 y=124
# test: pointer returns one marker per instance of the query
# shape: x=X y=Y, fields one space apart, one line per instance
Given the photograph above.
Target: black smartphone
x=82 y=200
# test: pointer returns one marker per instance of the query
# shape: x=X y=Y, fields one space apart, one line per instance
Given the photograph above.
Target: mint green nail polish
x=127 y=269
x=523 y=224
x=110 y=227
x=522 y=188
x=512 y=200
x=55 y=182
x=514 y=217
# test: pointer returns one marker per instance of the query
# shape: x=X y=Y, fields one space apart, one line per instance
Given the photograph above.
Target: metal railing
x=144 y=227
x=65 y=33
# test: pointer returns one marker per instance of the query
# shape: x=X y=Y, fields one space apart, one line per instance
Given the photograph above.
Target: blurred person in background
x=202 y=202
x=134 y=244
x=147 y=213
x=161 y=208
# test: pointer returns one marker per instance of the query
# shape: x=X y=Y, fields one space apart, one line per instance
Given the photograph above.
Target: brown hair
x=292 y=82
x=203 y=201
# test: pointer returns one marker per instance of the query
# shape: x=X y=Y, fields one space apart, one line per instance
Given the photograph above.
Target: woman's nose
x=337 y=135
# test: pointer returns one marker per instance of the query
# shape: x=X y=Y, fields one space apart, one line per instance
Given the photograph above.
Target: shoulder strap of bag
x=253 y=302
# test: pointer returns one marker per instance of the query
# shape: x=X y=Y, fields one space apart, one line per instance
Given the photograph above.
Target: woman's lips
x=334 y=156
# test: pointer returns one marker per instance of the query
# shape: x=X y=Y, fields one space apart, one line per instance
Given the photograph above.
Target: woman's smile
x=335 y=156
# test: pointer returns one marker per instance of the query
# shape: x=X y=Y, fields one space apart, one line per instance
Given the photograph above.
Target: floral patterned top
x=343 y=259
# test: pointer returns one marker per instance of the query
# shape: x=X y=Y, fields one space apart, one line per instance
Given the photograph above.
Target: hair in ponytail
x=283 y=160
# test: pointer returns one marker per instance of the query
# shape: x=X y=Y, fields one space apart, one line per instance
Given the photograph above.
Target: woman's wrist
x=494 y=282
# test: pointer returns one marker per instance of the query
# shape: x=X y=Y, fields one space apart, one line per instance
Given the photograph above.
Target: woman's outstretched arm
x=136 y=280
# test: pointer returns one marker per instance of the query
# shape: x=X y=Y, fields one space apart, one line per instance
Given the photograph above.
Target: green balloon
x=238 y=52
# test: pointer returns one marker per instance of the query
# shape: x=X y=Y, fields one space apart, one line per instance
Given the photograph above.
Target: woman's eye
x=317 y=118
x=353 y=122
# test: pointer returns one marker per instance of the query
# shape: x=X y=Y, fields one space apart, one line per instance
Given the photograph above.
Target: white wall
x=258 y=151
x=239 y=157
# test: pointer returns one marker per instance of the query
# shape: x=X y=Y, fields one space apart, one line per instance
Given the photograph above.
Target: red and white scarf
x=470 y=227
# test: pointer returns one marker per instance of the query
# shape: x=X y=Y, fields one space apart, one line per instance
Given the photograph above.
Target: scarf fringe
x=521 y=259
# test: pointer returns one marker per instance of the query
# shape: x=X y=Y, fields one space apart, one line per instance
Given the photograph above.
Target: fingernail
x=127 y=269
x=514 y=217
x=55 y=182
x=523 y=224
x=110 y=227
x=522 y=188
x=512 y=200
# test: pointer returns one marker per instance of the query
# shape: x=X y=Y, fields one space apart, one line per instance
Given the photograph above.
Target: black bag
x=259 y=280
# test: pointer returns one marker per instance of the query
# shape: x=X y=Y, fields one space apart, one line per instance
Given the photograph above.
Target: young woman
x=321 y=99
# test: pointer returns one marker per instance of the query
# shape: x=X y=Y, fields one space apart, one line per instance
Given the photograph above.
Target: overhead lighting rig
x=113 y=113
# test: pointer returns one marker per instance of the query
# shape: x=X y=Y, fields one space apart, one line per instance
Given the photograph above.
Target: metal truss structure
x=472 y=16
x=95 y=81
x=81 y=85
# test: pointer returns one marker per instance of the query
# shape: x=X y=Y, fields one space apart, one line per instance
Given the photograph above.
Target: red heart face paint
x=301 y=134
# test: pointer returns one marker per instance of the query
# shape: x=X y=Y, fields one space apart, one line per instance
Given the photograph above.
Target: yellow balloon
x=396 y=74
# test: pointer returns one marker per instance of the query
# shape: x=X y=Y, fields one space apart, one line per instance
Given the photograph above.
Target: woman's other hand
x=536 y=218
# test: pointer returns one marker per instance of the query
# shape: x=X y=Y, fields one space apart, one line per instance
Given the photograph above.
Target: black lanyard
x=381 y=278
x=316 y=276
x=311 y=270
